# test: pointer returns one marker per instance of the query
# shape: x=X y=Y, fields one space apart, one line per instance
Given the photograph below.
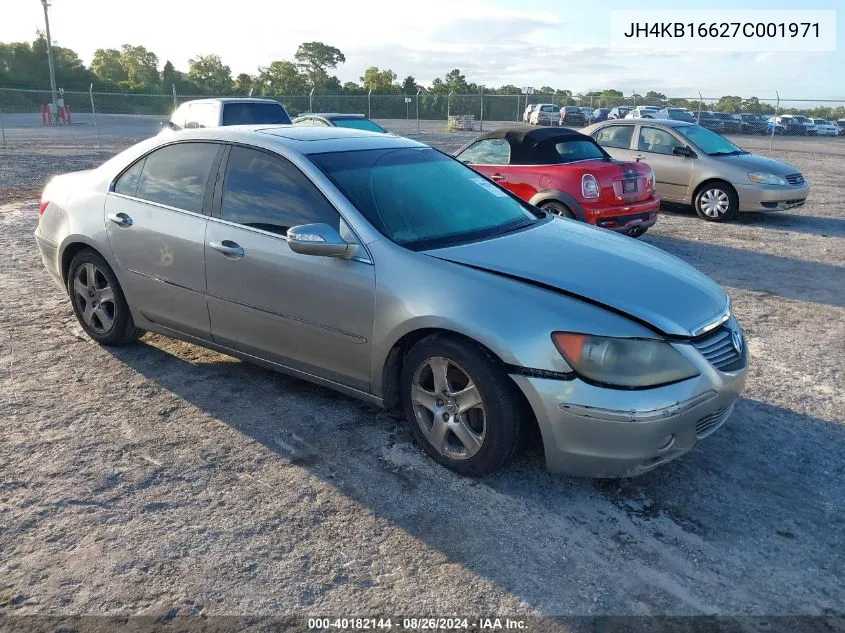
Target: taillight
x=589 y=186
x=43 y=207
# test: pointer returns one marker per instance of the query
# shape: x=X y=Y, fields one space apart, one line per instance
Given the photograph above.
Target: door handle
x=638 y=157
x=121 y=219
x=497 y=177
x=229 y=248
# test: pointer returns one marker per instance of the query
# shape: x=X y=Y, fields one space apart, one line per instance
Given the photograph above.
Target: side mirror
x=319 y=239
x=683 y=151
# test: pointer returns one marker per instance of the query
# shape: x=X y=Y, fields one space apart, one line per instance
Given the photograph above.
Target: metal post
x=2 y=130
x=775 y=122
x=175 y=100
x=369 y=95
x=46 y=4
x=448 y=106
x=700 y=104
x=634 y=98
x=481 y=125
x=94 y=113
x=518 y=109
x=311 y=100
x=419 y=90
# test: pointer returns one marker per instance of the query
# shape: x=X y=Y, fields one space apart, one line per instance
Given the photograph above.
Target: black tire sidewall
x=123 y=327
x=733 y=207
x=559 y=209
x=501 y=405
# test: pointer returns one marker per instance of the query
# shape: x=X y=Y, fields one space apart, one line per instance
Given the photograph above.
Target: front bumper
x=771 y=197
x=593 y=431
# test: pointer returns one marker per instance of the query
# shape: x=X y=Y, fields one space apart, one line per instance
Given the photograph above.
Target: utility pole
x=53 y=106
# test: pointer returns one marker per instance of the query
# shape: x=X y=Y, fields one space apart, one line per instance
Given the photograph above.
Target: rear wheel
x=716 y=202
x=558 y=208
x=98 y=301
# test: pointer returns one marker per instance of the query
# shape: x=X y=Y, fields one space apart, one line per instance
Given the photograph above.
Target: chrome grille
x=795 y=179
x=712 y=421
x=718 y=348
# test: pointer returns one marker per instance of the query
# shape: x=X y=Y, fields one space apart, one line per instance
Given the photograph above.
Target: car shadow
x=555 y=542
x=779 y=221
x=797 y=279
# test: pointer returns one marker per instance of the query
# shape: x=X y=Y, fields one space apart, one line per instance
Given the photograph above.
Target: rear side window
x=618 y=136
x=127 y=184
x=269 y=193
x=176 y=175
x=254 y=113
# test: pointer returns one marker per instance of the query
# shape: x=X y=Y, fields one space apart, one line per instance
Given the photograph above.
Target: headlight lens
x=589 y=186
x=765 y=178
x=623 y=362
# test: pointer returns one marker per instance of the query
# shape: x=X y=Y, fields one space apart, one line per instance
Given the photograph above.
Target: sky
x=563 y=43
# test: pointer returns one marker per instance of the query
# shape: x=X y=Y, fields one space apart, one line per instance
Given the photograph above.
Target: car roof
x=231 y=100
x=663 y=122
x=532 y=145
x=333 y=115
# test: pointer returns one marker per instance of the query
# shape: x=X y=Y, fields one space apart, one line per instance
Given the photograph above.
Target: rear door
x=313 y=314
x=672 y=173
x=616 y=140
x=489 y=156
x=155 y=222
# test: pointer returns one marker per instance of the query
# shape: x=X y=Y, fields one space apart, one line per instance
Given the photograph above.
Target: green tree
x=655 y=98
x=729 y=104
x=106 y=65
x=281 y=78
x=315 y=59
x=379 y=81
x=210 y=74
x=350 y=87
x=244 y=83
x=456 y=82
x=169 y=76
x=409 y=85
x=141 y=65
x=547 y=90
x=438 y=86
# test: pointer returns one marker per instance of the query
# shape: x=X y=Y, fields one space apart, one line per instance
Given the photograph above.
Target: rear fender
x=557 y=195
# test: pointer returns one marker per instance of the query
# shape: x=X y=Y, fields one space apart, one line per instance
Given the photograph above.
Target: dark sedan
x=708 y=120
x=729 y=122
x=752 y=123
x=572 y=115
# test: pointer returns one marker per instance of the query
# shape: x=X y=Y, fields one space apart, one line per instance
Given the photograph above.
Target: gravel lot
x=163 y=478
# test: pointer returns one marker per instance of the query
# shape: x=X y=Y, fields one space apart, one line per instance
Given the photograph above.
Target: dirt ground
x=162 y=478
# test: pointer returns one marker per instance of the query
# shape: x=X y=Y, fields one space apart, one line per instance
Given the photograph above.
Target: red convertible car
x=569 y=174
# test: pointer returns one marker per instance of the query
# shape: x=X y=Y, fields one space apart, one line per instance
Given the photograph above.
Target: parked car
x=599 y=114
x=619 y=112
x=825 y=127
x=643 y=112
x=730 y=124
x=526 y=114
x=675 y=114
x=840 y=123
x=429 y=290
x=545 y=114
x=331 y=119
x=568 y=174
x=786 y=124
x=572 y=115
x=201 y=113
x=588 y=114
x=752 y=123
x=708 y=120
x=696 y=166
x=809 y=126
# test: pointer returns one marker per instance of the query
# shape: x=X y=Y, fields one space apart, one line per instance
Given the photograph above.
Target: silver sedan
x=377 y=266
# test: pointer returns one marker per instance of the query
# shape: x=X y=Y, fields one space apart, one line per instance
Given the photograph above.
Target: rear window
x=581 y=149
x=254 y=113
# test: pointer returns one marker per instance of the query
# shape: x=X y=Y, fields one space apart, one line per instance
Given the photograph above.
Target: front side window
x=266 y=192
x=652 y=139
x=618 y=136
x=490 y=151
x=176 y=175
x=420 y=198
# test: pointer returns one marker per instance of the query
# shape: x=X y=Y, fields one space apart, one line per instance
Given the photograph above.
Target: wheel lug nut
x=445 y=417
x=439 y=403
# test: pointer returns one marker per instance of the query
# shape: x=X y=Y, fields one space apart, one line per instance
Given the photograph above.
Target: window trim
x=205 y=209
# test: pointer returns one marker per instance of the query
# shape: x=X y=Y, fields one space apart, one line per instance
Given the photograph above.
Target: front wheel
x=716 y=202
x=462 y=409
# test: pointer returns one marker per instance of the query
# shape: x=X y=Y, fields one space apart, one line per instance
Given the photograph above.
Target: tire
x=474 y=434
x=716 y=202
x=98 y=301
x=558 y=208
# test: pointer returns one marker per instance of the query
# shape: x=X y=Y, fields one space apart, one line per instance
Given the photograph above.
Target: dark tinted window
x=269 y=193
x=176 y=175
x=128 y=181
x=254 y=113
x=490 y=151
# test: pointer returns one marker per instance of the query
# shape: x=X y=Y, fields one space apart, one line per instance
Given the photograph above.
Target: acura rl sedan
x=389 y=271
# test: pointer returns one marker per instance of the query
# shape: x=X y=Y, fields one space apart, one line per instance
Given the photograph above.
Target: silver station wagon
x=385 y=269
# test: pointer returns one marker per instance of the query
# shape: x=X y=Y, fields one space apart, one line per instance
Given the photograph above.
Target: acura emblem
x=736 y=340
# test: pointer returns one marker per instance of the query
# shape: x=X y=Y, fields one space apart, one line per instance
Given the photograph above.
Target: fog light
x=666 y=443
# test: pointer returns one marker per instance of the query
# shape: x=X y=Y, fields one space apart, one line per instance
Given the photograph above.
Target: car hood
x=753 y=162
x=596 y=265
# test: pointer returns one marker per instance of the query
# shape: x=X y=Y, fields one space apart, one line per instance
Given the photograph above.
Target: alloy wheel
x=448 y=408
x=95 y=297
x=715 y=203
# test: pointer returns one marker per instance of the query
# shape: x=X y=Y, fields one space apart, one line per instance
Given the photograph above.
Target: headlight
x=589 y=186
x=623 y=362
x=765 y=178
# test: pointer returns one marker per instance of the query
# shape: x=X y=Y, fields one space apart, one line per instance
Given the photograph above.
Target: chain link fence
x=116 y=120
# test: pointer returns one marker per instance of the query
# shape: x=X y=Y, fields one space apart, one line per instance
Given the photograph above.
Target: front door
x=313 y=314
x=156 y=229
x=672 y=173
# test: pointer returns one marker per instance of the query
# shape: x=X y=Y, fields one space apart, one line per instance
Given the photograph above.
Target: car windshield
x=254 y=113
x=708 y=141
x=359 y=124
x=421 y=198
